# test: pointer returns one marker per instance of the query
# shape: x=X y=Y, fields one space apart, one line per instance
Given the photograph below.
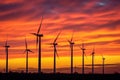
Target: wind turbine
x=93 y=53
x=27 y=51
x=38 y=43
x=103 y=64
x=55 y=52
x=83 y=54
x=71 y=47
x=6 y=50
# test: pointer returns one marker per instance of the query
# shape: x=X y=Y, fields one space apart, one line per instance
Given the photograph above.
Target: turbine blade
x=6 y=43
x=57 y=37
x=5 y=49
x=79 y=47
x=72 y=37
x=83 y=45
x=56 y=53
x=86 y=56
x=36 y=42
x=103 y=58
x=6 y=40
x=26 y=44
x=92 y=53
x=40 y=26
x=69 y=41
x=24 y=51
x=34 y=34
x=31 y=51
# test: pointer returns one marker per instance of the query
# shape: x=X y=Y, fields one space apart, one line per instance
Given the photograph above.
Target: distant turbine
x=71 y=47
x=27 y=51
x=103 y=65
x=6 y=50
x=55 y=52
x=93 y=53
x=83 y=54
x=38 y=43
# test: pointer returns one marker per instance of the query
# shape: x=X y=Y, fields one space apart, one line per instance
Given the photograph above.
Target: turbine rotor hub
x=40 y=35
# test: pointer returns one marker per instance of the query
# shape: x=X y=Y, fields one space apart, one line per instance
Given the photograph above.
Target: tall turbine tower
x=27 y=51
x=103 y=65
x=83 y=54
x=38 y=43
x=55 y=52
x=93 y=53
x=6 y=50
x=71 y=47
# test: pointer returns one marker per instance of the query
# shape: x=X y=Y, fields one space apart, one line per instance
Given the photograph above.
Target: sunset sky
x=94 y=22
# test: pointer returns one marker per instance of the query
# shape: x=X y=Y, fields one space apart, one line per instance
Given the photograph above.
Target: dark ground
x=58 y=76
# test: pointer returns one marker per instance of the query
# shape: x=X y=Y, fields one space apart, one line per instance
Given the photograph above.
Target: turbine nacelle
x=55 y=44
x=72 y=43
x=29 y=50
x=55 y=40
x=26 y=45
x=103 y=58
x=83 y=48
x=39 y=35
x=7 y=46
x=93 y=53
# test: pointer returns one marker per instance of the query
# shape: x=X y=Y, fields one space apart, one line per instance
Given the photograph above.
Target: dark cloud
x=34 y=9
x=9 y=7
x=16 y=15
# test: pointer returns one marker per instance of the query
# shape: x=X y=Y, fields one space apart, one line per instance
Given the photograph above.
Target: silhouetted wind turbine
x=103 y=64
x=6 y=49
x=27 y=51
x=71 y=47
x=93 y=53
x=38 y=42
x=55 y=52
x=83 y=54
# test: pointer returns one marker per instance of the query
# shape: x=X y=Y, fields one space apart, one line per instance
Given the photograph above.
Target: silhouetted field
x=58 y=76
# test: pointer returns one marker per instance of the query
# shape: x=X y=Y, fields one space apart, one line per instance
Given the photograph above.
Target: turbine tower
x=38 y=43
x=6 y=50
x=71 y=47
x=83 y=54
x=55 y=52
x=103 y=65
x=27 y=51
x=93 y=54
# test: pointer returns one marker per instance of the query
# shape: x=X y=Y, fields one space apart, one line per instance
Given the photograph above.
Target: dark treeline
x=58 y=76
